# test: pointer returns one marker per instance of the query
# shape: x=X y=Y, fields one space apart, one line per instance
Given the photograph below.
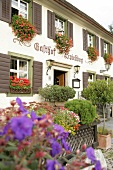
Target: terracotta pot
x=104 y=141
x=20 y=91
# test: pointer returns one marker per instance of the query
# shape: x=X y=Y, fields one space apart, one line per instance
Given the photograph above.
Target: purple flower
x=33 y=116
x=61 y=132
x=90 y=154
x=52 y=164
x=22 y=127
x=21 y=108
x=65 y=145
x=98 y=165
x=7 y=126
x=56 y=149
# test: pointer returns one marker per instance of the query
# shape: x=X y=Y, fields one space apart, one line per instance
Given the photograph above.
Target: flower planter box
x=20 y=91
x=85 y=135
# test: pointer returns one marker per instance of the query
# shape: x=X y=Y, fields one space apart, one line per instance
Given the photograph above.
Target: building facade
x=32 y=60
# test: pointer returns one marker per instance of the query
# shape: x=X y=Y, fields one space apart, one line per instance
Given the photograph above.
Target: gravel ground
x=108 y=154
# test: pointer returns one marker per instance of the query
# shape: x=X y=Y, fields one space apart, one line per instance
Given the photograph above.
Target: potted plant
x=56 y=93
x=19 y=85
x=92 y=54
x=104 y=137
x=100 y=92
x=22 y=28
x=63 y=43
x=108 y=58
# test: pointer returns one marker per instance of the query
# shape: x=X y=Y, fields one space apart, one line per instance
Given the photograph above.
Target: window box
x=20 y=91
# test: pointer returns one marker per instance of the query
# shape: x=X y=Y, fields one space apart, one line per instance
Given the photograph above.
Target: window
x=59 y=25
x=105 y=47
x=20 y=7
x=91 y=77
x=19 y=68
x=90 y=40
x=107 y=78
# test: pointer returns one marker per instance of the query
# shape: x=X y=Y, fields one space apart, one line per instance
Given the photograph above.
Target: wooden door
x=61 y=79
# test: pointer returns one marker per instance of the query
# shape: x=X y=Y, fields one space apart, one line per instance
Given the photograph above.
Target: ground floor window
x=19 y=68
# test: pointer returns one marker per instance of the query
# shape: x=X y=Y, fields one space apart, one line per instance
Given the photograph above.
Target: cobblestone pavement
x=108 y=154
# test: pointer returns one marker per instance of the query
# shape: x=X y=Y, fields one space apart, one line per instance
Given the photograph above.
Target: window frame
x=18 y=71
x=19 y=9
x=90 y=42
x=30 y=71
x=64 y=31
x=106 y=49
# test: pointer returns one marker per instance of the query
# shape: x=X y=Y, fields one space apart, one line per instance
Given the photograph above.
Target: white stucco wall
x=7 y=45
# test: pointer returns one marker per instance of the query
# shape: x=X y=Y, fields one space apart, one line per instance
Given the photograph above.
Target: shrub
x=84 y=108
x=57 y=93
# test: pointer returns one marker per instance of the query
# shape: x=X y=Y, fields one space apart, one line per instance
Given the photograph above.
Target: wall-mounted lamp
x=107 y=67
x=49 y=65
x=76 y=69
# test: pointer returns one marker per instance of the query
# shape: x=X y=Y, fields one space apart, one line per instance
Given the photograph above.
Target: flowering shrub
x=63 y=43
x=108 y=58
x=31 y=142
x=92 y=54
x=19 y=83
x=22 y=28
x=67 y=119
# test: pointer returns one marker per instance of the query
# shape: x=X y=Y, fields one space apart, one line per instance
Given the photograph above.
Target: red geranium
x=18 y=83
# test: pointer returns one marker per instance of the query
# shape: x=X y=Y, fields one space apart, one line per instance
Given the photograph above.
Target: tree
x=110 y=28
x=99 y=92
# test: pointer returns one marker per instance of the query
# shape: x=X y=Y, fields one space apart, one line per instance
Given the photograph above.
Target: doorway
x=59 y=77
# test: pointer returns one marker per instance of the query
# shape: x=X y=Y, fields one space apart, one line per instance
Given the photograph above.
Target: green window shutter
x=85 y=79
x=102 y=47
x=37 y=17
x=5 y=10
x=37 y=76
x=4 y=73
x=85 y=41
x=50 y=24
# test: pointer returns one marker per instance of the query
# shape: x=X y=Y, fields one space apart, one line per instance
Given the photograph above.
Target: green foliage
x=63 y=43
x=84 y=108
x=110 y=28
x=92 y=54
x=67 y=119
x=104 y=131
x=99 y=92
x=57 y=93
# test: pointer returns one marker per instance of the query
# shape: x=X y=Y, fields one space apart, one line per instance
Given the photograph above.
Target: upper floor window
x=19 y=68
x=20 y=7
x=59 y=25
x=105 y=47
x=90 y=40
